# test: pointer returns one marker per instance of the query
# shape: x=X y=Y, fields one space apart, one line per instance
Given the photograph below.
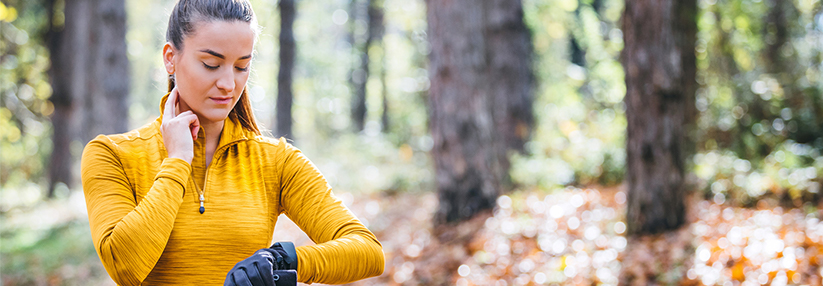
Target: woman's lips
x=221 y=100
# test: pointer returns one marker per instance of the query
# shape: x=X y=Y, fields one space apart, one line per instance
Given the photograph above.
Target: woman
x=192 y=198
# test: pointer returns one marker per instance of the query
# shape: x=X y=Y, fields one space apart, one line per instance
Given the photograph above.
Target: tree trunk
x=376 y=31
x=359 y=72
x=284 y=77
x=107 y=91
x=384 y=115
x=61 y=98
x=510 y=77
x=479 y=101
x=360 y=75
x=90 y=70
x=660 y=67
x=378 y=25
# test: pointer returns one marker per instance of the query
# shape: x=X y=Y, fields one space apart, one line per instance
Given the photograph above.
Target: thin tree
x=375 y=37
x=360 y=74
x=660 y=68
x=287 y=55
x=359 y=71
x=384 y=92
x=90 y=77
x=480 y=100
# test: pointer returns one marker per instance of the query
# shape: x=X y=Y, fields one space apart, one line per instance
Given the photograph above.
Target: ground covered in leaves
x=577 y=237
x=568 y=237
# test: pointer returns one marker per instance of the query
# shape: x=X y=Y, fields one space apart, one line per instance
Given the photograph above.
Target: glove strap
x=285 y=277
x=288 y=246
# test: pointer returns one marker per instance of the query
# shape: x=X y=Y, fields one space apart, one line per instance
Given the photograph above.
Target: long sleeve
x=129 y=237
x=346 y=250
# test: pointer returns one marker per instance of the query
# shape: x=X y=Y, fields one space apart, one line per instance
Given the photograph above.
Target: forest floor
x=568 y=237
x=577 y=237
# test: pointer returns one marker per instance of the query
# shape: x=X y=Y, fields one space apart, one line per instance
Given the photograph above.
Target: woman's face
x=212 y=68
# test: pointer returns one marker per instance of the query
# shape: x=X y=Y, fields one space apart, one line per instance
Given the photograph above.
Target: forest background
x=363 y=109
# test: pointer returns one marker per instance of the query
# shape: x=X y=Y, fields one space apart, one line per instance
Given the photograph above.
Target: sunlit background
x=755 y=217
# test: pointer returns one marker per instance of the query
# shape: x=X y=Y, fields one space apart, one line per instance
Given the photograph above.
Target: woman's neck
x=212 y=130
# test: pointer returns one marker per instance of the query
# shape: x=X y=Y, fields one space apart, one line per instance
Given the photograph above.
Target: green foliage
x=579 y=136
x=759 y=99
x=24 y=93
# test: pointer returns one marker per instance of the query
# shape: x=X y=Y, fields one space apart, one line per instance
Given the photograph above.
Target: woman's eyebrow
x=216 y=54
x=213 y=53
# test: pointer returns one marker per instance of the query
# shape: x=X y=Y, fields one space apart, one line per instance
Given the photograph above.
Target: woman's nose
x=226 y=81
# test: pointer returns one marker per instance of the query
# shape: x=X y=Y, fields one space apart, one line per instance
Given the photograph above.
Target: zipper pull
x=202 y=208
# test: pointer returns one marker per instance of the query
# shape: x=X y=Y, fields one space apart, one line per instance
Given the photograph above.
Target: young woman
x=192 y=198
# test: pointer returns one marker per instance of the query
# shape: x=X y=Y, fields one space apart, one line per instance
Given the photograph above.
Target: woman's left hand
x=258 y=269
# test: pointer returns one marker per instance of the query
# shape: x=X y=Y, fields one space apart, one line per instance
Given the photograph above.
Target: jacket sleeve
x=129 y=237
x=345 y=249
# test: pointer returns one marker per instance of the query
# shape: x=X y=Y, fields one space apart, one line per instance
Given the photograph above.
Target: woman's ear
x=168 y=57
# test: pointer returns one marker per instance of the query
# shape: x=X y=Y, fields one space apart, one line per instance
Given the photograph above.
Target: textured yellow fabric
x=147 y=229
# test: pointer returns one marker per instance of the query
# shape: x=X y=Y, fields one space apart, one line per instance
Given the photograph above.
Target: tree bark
x=284 y=77
x=479 y=101
x=377 y=29
x=359 y=72
x=360 y=75
x=90 y=70
x=384 y=92
x=660 y=67
x=375 y=35
x=510 y=76
x=61 y=98
x=108 y=88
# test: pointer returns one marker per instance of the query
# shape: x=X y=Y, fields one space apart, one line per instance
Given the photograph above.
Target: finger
x=266 y=272
x=278 y=260
x=168 y=110
x=229 y=280
x=188 y=118
x=195 y=127
x=240 y=278
x=184 y=113
x=256 y=277
x=192 y=121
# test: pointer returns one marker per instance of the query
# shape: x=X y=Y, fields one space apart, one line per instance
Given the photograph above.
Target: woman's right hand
x=179 y=130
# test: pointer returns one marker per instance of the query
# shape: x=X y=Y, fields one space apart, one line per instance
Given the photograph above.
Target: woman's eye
x=242 y=69
x=210 y=67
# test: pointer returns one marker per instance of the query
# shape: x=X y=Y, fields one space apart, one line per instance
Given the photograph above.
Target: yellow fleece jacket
x=147 y=229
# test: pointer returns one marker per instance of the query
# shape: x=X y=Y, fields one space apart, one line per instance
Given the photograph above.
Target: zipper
x=203 y=193
x=206 y=179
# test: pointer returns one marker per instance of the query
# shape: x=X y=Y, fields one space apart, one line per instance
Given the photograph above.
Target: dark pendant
x=202 y=209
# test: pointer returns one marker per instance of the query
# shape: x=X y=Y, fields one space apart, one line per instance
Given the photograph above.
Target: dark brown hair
x=181 y=24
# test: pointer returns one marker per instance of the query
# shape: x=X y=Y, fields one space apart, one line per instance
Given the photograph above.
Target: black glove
x=287 y=258
x=259 y=268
